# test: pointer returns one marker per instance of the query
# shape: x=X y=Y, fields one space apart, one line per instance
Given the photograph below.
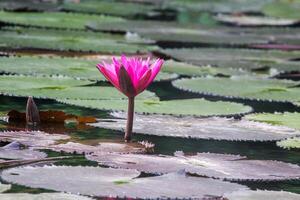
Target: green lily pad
x=243 y=87
x=93 y=92
x=108 y=8
x=53 y=19
x=11 y=83
x=262 y=195
x=282 y=119
x=290 y=143
x=237 y=58
x=121 y=183
x=198 y=107
x=44 y=196
x=58 y=66
x=185 y=69
x=32 y=5
x=283 y=9
x=63 y=40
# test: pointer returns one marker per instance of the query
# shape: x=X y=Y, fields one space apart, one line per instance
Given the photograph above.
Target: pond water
x=165 y=89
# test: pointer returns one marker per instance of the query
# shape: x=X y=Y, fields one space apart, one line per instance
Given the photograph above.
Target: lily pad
x=185 y=69
x=237 y=58
x=108 y=8
x=54 y=19
x=63 y=40
x=34 y=139
x=198 y=107
x=200 y=128
x=44 y=196
x=14 y=151
x=59 y=66
x=282 y=119
x=203 y=164
x=118 y=182
x=102 y=148
x=254 y=20
x=283 y=9
x=93 y=92
x=290 y=143
x=262 y=195
x=243 y=87
x=10 y=83
x=4 y=187
x=32 y=5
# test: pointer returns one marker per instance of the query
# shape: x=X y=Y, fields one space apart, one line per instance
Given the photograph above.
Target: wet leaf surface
x=203 y=164
x=199 y=128
x=262 y=195
x=118 y=182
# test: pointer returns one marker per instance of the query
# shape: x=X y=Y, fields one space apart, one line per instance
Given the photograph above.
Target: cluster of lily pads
x=232 y=59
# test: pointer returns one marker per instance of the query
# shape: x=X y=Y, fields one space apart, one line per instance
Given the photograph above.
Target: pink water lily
x=130 y=76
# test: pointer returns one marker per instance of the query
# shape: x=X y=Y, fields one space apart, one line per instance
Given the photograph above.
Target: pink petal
x=155 y=69
x=111 y=77
x=143 y=82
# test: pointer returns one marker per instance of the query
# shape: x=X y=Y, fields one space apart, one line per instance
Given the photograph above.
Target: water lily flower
x=130 y=76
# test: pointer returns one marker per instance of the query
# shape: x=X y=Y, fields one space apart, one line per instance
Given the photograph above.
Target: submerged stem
x=130 y=114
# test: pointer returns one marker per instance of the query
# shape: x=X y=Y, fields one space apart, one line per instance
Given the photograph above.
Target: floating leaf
x=182 y=68
x=118 y=182
x=33 y=139
x=290 y=143
x=32 y=5
x=108 y=8
x=63 y=40
x=14 y=151
x=254 y=20
x=262 y=195
x=243 y=87
x=54 y=19
x=283 y=9
x=10 y=83
x=203 y=164
x=93 y=92
x=237 y=58
x=4 y=187
x=200 y=128
x=199 y=107
x=59 y=66
x=283 y=119
x=101 y=148
x=44 y=196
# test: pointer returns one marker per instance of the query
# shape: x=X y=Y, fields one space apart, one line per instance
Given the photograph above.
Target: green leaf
x=283 y=9
x=31 y=5
x=108 y=8
x=237 y=58
x=11 y=83
x=284 y=119
x=31 y=38
x=290 y=143
x=58 y=66
x=185 y=69
x=198 y=107
x=54 y=19
x=92 y=92
x=243 y=87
